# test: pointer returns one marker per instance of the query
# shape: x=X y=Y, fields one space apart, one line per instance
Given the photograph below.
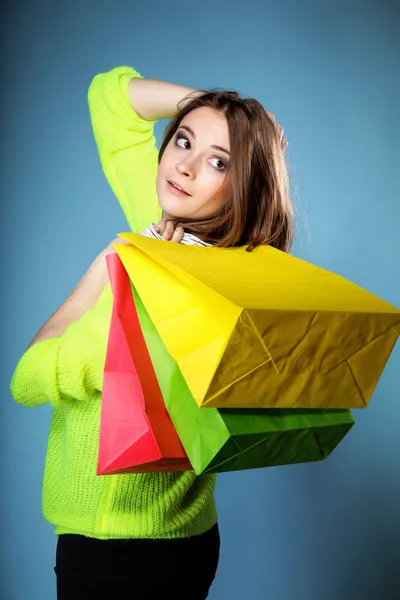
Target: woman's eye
x=181 y=141
x=218 y=163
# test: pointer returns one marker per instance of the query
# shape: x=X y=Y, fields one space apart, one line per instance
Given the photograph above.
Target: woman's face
x=197 y=161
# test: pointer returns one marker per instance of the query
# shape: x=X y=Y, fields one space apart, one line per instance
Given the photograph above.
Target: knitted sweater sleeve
x=69 y=366
x=126 y=146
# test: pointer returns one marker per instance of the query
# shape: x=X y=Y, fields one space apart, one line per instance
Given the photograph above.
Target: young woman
x=219 y=178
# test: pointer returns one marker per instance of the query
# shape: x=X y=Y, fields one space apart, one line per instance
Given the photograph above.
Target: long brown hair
x=259 y=209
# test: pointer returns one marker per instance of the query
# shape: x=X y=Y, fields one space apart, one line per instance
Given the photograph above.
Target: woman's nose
x=186 y=169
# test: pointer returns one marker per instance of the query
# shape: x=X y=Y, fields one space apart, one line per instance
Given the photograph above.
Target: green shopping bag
x=218 y=440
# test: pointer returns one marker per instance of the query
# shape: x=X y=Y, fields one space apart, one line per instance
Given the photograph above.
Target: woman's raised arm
x=123 y=107
x=154 y=100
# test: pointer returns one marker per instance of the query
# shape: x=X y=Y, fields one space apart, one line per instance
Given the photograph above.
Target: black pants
x=181 y=569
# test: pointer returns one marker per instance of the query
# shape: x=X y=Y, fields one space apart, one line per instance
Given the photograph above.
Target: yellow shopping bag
x=262 y=329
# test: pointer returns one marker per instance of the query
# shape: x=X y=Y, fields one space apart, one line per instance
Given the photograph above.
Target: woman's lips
x=175 y=190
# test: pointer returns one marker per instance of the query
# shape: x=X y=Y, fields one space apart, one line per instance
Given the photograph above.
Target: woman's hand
x=279 y=130
x=168 y=231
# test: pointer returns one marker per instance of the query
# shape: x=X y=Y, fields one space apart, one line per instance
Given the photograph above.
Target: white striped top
x=188 y=239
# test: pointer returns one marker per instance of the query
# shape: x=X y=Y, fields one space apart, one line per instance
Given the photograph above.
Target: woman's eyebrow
x=213 y=146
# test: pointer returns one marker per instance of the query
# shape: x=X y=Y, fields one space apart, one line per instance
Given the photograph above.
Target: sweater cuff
x=26 y=385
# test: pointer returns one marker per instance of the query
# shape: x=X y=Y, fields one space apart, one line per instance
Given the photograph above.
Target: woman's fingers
x=168 y=231
x=165 y=228
x=177 y=235
x=282 y=138
x=279 y=130
x=160 y=227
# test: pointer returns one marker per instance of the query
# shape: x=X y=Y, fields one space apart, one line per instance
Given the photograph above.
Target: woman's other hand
x=279 y=129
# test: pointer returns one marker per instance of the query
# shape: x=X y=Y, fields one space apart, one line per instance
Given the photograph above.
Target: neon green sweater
x=67 y=371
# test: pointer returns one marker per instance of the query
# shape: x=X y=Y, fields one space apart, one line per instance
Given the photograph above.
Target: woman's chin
x=172 y=209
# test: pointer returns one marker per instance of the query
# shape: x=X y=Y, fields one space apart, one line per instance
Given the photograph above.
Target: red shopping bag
x=136 y=433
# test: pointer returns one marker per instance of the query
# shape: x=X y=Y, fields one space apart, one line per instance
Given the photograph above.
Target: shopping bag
x=218 y=440
x=136 y=432
x=262 y=328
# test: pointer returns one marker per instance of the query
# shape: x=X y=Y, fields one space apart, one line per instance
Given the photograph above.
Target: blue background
x=329 y=71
